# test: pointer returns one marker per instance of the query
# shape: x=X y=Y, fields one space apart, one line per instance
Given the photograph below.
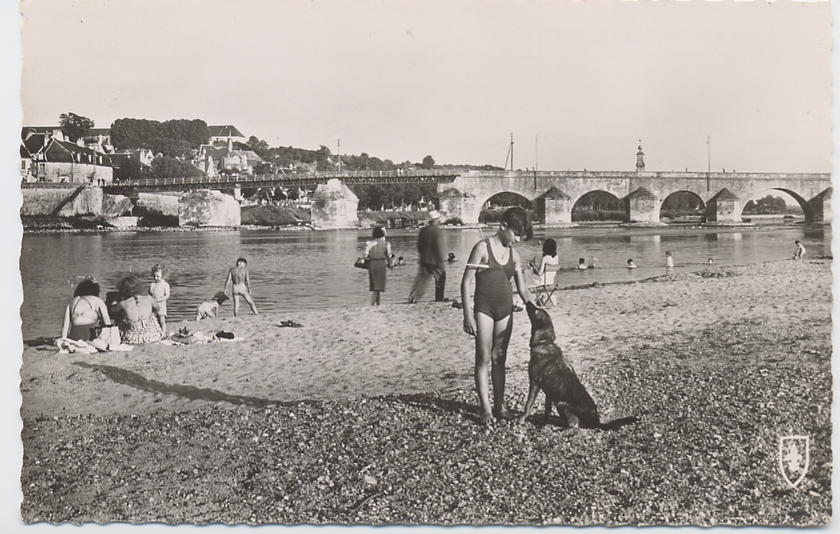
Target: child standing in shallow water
x=159 y=290
x=238 y=284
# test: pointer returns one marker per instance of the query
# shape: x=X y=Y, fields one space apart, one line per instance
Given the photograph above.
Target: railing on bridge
x=291 y=179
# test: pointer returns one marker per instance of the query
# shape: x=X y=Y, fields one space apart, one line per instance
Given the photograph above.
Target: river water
x=292 y=270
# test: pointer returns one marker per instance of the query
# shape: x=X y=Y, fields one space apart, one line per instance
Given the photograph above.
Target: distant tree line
x=173 y=138
x=767 y=206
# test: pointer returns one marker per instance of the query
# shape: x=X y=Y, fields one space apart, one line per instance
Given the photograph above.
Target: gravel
x=712 y=404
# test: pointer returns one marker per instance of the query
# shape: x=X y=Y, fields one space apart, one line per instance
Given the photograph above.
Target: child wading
x=492 y=263
x=159 y=290
x=238 y=284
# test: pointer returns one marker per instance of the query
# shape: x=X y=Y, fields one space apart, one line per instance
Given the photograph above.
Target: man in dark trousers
x=432 y=258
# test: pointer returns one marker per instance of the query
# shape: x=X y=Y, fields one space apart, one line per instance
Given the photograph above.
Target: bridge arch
x=511 y=198
x=597 y=205
x=682 y=203
x=759 y=193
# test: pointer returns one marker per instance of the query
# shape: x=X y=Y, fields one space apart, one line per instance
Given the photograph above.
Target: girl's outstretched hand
x=469 y=325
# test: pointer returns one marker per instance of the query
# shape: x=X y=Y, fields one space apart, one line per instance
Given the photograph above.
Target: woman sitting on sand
x=85 y=312
x=137 y=309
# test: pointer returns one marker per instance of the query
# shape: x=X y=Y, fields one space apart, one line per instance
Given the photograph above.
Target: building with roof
x=54 y=160
x=222 y=134
x=225 y=159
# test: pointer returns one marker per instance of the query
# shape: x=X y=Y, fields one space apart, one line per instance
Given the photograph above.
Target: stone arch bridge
x=642 y=193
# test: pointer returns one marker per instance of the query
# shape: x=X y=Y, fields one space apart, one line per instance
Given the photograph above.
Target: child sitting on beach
x=582 y=264
x=159 y=290
x=238 y=284
x=630 y=264
x=798 y=251
x=209 y=309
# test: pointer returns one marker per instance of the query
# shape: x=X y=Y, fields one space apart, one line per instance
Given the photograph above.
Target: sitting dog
x=209 y=309
x=550 y=372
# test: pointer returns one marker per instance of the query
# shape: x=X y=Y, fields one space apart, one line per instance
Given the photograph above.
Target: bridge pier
x=641 y=206
x=206 y=207
x=555 y=207
x=724 y=207
x=334 y=205
x=818 y=209
x=457 y=205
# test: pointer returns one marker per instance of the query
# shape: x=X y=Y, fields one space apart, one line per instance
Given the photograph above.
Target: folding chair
x=543 y=292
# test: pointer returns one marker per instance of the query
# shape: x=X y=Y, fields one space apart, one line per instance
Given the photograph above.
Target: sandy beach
x=366 y=415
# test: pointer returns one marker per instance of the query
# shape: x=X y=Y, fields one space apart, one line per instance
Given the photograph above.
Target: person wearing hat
x=432 y=258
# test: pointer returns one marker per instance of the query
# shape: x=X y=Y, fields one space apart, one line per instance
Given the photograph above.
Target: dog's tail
x=616 y=423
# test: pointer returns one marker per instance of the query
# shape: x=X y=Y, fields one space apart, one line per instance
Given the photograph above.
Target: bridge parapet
x=467 y=194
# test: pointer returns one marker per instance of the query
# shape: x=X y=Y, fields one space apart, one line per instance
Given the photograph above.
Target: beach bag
x=361 y=263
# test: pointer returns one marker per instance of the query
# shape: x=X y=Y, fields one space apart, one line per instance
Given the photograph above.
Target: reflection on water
x=305 y=270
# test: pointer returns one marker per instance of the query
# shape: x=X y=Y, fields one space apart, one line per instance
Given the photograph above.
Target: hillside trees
x=74 y=126
x=173 y=138
x=765 y=206
x=374 y=197
x=167 y=167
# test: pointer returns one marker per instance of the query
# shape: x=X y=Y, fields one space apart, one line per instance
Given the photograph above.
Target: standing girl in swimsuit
x=492 y=263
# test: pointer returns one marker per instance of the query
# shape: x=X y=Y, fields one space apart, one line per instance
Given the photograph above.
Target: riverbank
x=366 y=415
x=94 y=227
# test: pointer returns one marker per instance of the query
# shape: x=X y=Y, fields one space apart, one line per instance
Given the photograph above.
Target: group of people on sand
x=139 y=309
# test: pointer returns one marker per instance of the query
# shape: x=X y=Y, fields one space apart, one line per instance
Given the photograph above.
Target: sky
x=576 y=83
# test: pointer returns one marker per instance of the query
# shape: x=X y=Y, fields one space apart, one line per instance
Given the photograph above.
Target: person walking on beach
x=159 y=290
x=430 y=248
x=669 y=261
x=798 y=250
x=377 y=251
x=238 y=284
x=491 y=265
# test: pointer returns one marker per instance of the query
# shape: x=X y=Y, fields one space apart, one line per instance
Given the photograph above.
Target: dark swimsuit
x=493 y=294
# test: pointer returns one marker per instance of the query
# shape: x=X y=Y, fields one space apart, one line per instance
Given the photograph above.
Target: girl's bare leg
x=373 y=295
x=483 y=347
x=162 y=322
x=498 y=356
x=236 y=305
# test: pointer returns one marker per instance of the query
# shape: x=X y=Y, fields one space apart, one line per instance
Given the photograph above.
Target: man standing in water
x=430 y=248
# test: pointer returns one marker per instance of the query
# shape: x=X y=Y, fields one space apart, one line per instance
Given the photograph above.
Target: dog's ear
x=530 y=308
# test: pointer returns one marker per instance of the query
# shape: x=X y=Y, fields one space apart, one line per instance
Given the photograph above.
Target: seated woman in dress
x=85 y=312
x=137 y=309
x=545 y=272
